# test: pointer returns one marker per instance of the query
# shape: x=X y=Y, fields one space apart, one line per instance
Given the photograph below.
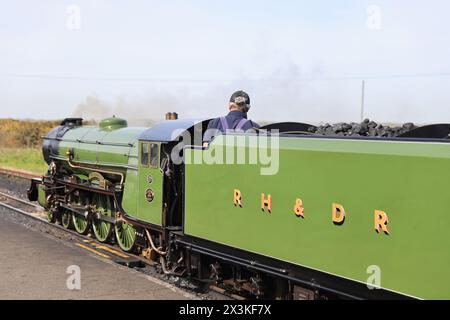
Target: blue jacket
x=233 y=119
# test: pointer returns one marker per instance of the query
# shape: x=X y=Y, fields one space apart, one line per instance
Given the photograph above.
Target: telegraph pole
x=363 y=96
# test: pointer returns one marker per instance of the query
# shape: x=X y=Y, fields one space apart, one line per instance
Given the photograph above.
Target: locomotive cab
x=160 y=171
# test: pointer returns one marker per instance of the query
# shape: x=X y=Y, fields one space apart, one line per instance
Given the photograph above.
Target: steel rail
x=2 y=194
x=18 y=173
x=28 y=214
x=61 y=228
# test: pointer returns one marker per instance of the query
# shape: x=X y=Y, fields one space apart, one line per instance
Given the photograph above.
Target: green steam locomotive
x=281 y=213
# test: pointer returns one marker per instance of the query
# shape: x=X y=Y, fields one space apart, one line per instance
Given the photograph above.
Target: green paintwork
x=41 y=195
x=66 y=219
x=114 y=147
x=149 y=211
x=129 y=202
x=42 y=200
x=112 y=124
x=407 y=180
x=102 y=229
x=51 y=216
x=80 y=223
x=109 y=149
x=125 y=235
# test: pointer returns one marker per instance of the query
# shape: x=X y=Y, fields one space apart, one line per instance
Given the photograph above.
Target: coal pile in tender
x=367 y=128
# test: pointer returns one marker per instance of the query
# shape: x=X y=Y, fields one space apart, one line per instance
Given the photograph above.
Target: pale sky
x=299 y=60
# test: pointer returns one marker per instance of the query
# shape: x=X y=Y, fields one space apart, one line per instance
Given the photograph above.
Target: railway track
x=18 y=173
x=90 y=245
x=103 y=250
x=106 y=251
x=18 y=205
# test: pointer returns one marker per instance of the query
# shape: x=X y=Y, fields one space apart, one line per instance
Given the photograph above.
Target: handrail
x=105 y=164
x=129 y=145
x=74 y=166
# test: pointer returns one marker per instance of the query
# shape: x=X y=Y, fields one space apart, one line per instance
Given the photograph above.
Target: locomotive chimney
x=171 y=116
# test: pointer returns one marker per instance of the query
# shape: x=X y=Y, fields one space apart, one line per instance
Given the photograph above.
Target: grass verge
x=30 y=160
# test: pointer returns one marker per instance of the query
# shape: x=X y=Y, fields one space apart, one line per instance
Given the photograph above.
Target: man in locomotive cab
x=236 y=120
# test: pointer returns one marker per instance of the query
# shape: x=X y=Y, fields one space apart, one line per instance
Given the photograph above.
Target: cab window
x=145 y=154
x=154 y=155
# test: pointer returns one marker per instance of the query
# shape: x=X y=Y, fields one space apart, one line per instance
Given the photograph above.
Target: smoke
x=93 y=108
x=289 y=93
x=296 y=93
x=145 y=111
x=137 y=113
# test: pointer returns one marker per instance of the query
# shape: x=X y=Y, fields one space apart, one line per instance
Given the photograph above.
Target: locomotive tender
x=338 y=213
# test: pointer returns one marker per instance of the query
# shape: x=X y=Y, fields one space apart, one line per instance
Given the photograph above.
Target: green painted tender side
x=407 y=180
